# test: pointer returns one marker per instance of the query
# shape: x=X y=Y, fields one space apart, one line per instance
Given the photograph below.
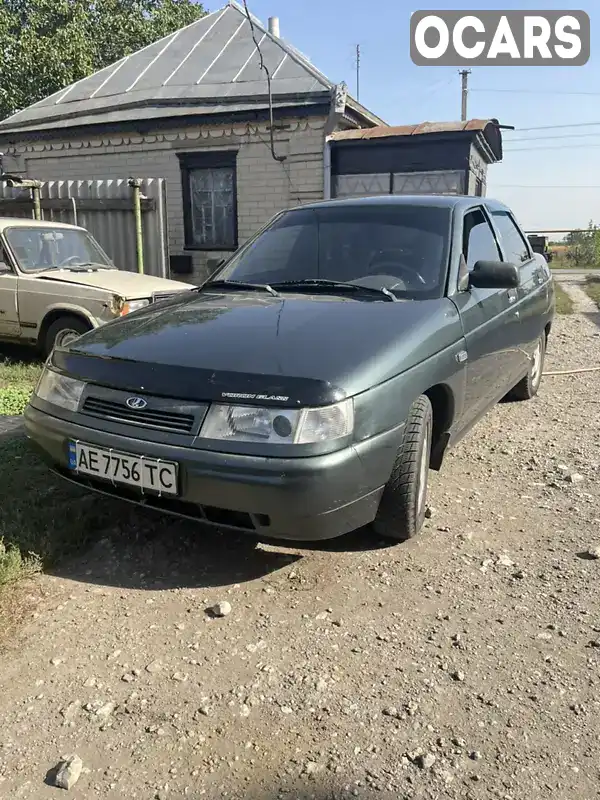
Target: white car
x=57 y=283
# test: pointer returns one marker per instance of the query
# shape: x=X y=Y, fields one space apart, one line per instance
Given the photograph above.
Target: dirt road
x=464 y=664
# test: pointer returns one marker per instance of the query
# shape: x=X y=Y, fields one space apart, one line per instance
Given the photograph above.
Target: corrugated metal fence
x=105 y=208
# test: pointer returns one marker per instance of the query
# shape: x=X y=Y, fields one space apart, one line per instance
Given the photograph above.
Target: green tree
x=45 y=45
x=583 y=247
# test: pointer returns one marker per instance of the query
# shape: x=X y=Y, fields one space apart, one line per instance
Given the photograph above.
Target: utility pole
x=357 y=71
x=464 y=74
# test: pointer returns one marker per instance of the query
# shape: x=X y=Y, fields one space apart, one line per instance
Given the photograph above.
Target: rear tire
x=528 y=387
x=63 y=331
x=404 y=500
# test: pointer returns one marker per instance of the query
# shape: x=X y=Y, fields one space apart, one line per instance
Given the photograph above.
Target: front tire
x=63 y=331
x=528 y=387
x=404 y=500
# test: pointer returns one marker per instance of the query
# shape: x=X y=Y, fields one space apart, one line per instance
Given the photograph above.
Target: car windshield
x=402 y=248
x=38 y=248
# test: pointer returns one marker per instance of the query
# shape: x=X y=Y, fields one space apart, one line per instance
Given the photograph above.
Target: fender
x=70 y=308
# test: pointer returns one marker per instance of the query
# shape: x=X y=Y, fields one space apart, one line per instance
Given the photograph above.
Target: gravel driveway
x=463 y=664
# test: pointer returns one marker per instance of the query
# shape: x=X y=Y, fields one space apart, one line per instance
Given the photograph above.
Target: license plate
x=147 y=474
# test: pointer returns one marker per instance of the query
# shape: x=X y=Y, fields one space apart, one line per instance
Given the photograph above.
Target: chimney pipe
x=274 y=26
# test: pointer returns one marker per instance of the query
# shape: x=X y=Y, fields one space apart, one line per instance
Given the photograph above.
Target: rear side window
x=479 y=243
x=512 y=242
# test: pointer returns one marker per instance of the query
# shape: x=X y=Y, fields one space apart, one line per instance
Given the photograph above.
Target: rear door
x=9 y=316
x=489 y=321
x=533 y=293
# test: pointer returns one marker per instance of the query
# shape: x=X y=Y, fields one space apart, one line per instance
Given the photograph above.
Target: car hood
x=249 y=346
x=129 y=285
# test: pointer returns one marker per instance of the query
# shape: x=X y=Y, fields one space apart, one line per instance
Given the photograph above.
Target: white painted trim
x=156 y=57
x=218 y=56
x=112 y=74
x=247 y=61
x=279 y=66
x=201 y=39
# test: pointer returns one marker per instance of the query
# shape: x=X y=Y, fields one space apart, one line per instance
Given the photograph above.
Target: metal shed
x=432 y=157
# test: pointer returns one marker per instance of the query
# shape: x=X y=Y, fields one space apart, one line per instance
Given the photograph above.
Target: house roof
x=490 y=129
x=210 y=66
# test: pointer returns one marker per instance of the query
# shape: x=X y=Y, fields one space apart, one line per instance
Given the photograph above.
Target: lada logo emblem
x=136 y=403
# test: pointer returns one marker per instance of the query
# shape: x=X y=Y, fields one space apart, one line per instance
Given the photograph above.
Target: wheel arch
x=53 y=313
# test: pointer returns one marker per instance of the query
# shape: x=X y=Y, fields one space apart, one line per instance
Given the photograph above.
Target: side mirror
x=494 y=275
x=4 y=268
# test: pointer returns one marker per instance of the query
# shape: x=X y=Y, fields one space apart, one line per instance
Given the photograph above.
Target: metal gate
x=106 y=208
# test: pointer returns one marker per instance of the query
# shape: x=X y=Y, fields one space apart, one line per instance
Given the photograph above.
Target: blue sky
x=327 y=31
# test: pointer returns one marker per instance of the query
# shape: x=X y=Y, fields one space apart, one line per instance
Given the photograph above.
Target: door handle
x=512 y=295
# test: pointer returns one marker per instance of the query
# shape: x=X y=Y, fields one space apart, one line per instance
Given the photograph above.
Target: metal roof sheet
x=210 y=63
x=489 y=128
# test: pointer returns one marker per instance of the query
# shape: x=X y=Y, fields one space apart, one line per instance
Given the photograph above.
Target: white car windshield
x=403 y=248
x=45 y=248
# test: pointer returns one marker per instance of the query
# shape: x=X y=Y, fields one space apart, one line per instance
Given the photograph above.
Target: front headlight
x=59 y=390
x=279 y=426
x=119 y=306
x=133 y=305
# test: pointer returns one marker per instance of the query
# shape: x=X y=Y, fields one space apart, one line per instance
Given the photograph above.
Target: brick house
x=194 y=108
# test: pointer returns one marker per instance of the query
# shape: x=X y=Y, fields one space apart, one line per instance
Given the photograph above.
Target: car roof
x=20 y=222
x=431 y=200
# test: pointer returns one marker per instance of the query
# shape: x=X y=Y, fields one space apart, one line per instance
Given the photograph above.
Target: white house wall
x=264 y=186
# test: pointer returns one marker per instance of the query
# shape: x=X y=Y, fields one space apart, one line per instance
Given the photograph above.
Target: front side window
x=209 y=197
x=479 y=243
x=512 y=242
x=402 y=248
x=44 y=248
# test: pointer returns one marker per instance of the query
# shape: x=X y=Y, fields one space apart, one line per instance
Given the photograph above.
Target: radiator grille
x=158 y=296
x=158 y=419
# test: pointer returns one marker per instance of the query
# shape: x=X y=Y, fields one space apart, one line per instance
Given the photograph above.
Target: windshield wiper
x=316 y=283
x=263 y=287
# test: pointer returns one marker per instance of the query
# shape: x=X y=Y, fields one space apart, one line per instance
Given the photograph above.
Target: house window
x=209 y=200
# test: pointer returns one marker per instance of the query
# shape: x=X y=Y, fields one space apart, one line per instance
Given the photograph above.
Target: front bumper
x=302 y=499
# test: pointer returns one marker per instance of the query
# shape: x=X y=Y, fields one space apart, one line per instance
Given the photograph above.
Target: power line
x=546 y=147
x=561 y=136
x=537 y=91
x=556 y=127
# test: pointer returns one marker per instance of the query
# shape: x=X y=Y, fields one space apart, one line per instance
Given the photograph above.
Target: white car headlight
x=278 y=426
x=59 y=390
x=133 y=305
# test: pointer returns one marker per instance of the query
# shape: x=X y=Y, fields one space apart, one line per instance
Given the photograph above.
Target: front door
x=9 y=315
x=490 y=323
x=534 y=289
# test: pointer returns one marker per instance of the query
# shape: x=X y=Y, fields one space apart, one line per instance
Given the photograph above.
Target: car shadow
x=19 y=354
x=151 y=551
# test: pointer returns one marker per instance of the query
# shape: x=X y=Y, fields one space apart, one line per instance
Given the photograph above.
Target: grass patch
x=561 y=262
x=18 y=375
x=564 y=304
x=43 y=519
x=592 y=288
